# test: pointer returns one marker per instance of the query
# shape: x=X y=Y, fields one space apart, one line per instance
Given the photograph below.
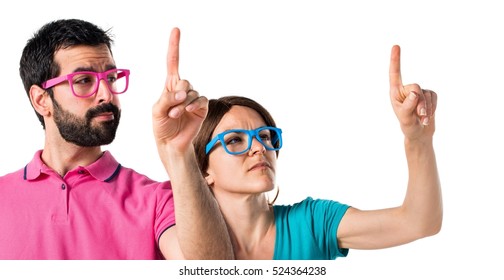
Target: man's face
x=90 y=121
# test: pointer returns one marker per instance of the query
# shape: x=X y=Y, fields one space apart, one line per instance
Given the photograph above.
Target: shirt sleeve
x=325 y=217
x=165 y=214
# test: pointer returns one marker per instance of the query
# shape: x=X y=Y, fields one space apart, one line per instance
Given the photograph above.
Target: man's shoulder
x=13 y=176
x=140 y=179
x=20 y=174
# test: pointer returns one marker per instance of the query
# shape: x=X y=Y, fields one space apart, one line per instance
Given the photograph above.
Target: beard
x=81 y=132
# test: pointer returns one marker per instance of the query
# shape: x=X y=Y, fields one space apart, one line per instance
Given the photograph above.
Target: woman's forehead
x=240 y=117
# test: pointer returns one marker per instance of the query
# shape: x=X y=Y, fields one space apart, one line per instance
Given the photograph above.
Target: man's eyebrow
x=91 y=69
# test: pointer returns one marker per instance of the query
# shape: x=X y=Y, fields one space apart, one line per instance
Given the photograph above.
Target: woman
x=237 y=148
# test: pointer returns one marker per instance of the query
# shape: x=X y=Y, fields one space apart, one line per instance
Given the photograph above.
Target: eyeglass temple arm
x=210 y=145
x=53 y=82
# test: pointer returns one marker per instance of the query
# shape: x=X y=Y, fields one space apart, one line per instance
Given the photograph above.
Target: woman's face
x=247 y=173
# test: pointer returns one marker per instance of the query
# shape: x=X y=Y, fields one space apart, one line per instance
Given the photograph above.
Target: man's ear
x=40 y=100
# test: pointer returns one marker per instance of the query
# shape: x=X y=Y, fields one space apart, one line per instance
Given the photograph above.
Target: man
x=75 y=201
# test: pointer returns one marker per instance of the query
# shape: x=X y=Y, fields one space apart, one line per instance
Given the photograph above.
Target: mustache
x=103 y=108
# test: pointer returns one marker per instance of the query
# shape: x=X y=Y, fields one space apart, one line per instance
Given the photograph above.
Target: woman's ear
x=40 y=100
x=209 y=179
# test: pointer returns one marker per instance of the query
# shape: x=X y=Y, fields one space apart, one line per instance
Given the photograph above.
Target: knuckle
x=186 y=84
x=193 y=93
x=414 y=87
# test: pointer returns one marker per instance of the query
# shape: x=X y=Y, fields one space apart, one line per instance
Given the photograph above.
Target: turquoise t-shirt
x=307 y=230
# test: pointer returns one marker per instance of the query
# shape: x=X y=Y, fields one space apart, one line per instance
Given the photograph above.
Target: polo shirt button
x=63 y=186
x=81 y=171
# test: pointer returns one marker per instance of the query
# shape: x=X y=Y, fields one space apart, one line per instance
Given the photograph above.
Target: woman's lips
x=260 y=166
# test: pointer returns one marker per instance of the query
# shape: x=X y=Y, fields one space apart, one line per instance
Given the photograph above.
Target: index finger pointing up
x=173 y=55
x=395 y=67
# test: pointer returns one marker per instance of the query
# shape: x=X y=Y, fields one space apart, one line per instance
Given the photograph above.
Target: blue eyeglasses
x=239 y=141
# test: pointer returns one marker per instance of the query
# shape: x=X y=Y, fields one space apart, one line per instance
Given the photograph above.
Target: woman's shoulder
x=309 y=201
x=308 y=205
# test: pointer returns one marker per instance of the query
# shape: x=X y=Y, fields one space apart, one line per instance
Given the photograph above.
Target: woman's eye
x=265 y=137
x=233 y=140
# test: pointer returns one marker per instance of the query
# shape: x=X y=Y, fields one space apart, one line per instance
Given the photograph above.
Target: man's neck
x=63 y=157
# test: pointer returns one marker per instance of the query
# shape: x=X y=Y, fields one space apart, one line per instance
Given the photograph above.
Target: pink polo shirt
x=100 y=211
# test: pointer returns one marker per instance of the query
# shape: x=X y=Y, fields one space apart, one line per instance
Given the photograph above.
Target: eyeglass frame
x=100 y=75
x=252 y=133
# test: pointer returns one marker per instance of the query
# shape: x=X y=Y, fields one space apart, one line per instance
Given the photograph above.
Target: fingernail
x=422 y=112
x=180 y=95
x=412 y=95
x=190 y=107
x=174 y=113
x=425 y=121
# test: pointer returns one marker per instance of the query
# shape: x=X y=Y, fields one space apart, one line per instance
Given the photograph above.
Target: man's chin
x=92 y=142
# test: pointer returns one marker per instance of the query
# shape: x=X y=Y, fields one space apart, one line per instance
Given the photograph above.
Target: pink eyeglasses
x=85 y=84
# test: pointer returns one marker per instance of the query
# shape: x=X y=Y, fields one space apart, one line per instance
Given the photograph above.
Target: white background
x=322 y=71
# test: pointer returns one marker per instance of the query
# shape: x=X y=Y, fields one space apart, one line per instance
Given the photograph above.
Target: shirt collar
x=104 y=168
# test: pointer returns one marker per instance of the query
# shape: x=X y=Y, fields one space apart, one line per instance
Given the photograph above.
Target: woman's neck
x=251 y=224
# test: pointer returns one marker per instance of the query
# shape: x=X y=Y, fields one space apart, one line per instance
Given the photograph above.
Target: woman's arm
x=201 y=232
x=421 y=213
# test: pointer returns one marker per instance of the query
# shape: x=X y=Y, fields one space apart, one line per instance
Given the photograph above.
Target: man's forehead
x=82 y=56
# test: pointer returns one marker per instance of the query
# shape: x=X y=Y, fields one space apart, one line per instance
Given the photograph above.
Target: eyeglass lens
x=87 y=83
x=239 y=142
